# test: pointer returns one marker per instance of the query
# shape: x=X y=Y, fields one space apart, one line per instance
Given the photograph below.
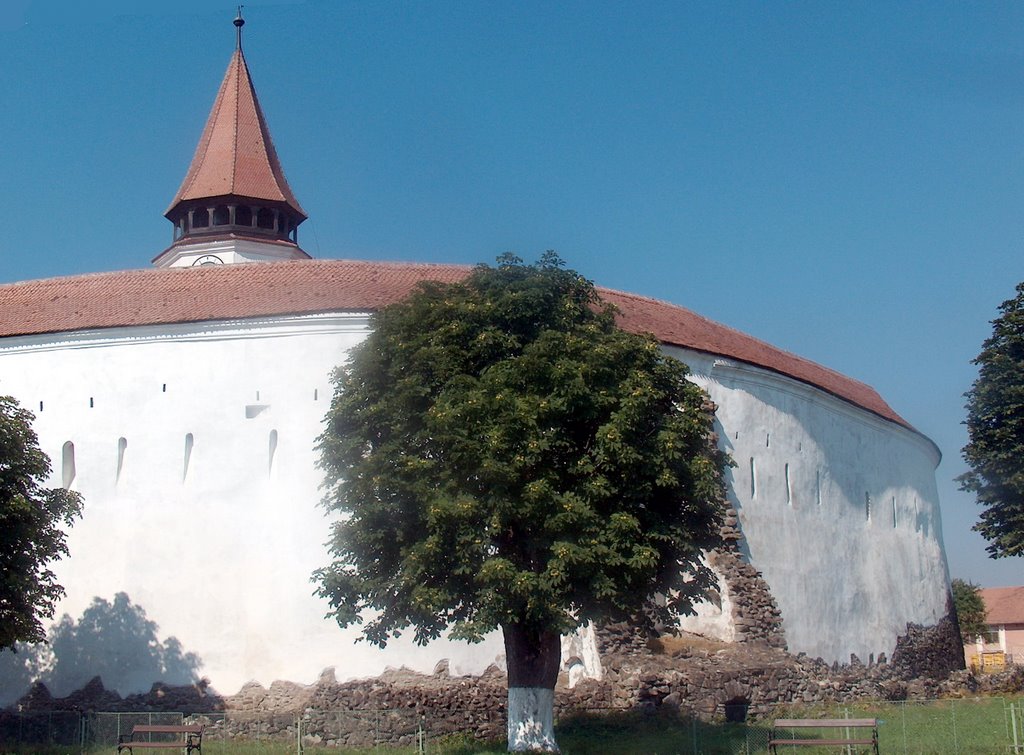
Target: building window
x=265 y=218
x=273 y=452
x=753 y=478
x=867 y=506
x=789 y=488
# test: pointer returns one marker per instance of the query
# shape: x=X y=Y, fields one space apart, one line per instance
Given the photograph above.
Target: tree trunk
x=533 y=657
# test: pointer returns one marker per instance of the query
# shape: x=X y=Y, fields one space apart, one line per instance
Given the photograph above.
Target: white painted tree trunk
x=531 y=725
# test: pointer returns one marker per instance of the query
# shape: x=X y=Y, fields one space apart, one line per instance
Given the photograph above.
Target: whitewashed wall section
x=219 y=552
x=194 y=449
x=839 y=509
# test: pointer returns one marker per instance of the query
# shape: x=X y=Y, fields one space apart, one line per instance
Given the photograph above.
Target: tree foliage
x=970 y=610
x=995 y=425
x=32 y=529
x=500 y=453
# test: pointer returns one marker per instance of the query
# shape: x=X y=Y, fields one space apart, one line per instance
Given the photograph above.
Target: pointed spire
x=239 y=23
x=235 y=184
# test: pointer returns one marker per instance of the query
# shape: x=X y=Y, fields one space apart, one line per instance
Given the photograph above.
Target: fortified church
x=184 y=402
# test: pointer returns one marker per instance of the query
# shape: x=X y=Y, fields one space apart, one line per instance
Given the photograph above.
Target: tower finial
x=239 y=23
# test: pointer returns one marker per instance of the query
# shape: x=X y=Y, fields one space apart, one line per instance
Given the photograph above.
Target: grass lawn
x=946 y=727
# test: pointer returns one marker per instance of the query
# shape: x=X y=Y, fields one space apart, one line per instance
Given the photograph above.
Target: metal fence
x=947 y=727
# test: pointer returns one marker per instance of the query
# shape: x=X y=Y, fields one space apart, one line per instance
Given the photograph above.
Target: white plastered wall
x=220 y=555
x=808 y=465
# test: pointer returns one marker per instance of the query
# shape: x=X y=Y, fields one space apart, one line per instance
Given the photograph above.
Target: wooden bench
x=858 y=738
x=186 y=737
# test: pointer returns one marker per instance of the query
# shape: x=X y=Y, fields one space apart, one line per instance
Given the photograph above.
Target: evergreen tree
x=995 y=425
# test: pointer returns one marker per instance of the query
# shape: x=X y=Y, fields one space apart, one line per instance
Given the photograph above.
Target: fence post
x=846 y=715
x=903 y=723
x=952 y=707
x=1013 y=726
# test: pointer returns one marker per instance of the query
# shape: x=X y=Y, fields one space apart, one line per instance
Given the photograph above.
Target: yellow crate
x=993 y=663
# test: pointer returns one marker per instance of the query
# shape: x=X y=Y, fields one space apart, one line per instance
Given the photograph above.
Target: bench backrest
x=166 y=729
x=825 y=723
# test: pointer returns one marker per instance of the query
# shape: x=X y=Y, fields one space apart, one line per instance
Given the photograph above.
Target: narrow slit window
x=189 y=442
x=753 y=478
x=867 y=506
x=817 y=487
x=895 y=521
x=767 y=440
x=163 y=388
x=40 y=406
x=257 y=395
x=789 y=488
x=122 y=446
x=272 y=452
x=68 y=464
x=91 y=402
x=316 y=394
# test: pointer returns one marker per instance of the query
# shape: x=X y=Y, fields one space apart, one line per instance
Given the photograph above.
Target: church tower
x=235 y=204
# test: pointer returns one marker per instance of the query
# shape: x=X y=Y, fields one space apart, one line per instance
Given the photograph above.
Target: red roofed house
x=1004 y=614
x=184 y=402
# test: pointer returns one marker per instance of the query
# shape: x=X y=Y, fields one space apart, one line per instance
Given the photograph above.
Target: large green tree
x=33 y=520
x=970 y=610
x=995 y=425
x=501 y=455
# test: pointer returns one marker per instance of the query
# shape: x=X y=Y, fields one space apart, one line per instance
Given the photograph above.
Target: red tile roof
x=1003 y=605
x=235 y=155
x=192 y=294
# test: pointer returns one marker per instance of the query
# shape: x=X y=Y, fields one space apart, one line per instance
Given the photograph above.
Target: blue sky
x=843 y=180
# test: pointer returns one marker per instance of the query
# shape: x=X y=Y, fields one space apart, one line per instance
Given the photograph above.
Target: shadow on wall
x=114 y=641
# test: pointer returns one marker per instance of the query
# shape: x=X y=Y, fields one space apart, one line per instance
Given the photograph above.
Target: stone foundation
x=700 y=677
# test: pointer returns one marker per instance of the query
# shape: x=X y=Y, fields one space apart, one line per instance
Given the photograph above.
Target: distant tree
x=501 y=455
x=117 y=642
x=970 y=610
x=995 y=425
x=33 y=520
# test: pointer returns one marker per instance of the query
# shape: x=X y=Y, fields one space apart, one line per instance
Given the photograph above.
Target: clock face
x=208 y=259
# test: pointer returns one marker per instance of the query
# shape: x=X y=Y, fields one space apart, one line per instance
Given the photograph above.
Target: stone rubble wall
x=699 y=677
x=755 y=614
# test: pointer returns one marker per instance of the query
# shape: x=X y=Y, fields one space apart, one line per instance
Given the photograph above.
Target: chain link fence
x=947 y=727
